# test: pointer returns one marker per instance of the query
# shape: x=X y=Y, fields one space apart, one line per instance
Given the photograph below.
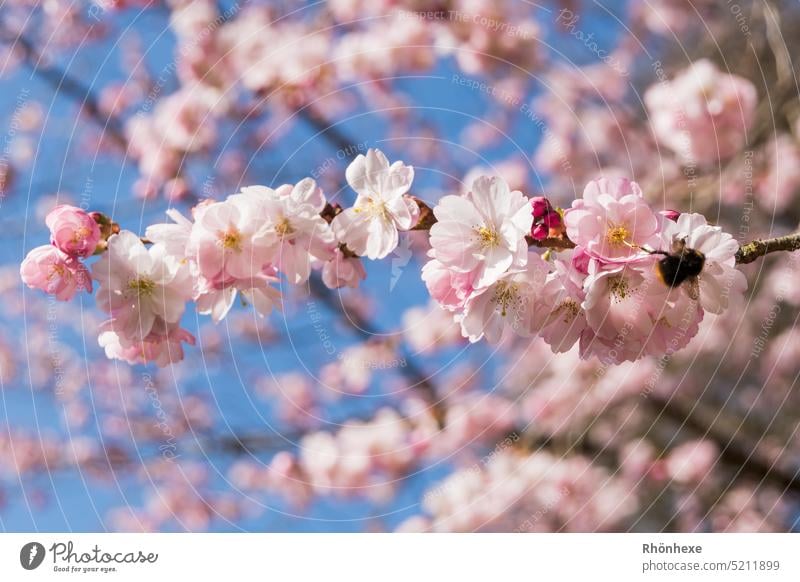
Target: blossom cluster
x=602 y=285
x=610 y=294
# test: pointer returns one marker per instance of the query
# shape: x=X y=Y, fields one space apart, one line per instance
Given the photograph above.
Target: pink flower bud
x=541 y=206
x=50 y=270
x=539 y=231
x=552 y=220
x=342 y=271
x=670 y=214
x=73 y=230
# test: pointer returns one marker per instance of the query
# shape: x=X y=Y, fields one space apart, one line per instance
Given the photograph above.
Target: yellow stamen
x=569 y=308
x=142 y=286
x=284 y=227
x=80 y=234
x=56 y=271
x=618 y=235
x=374 y=207
x=487 y=237
x=230 y=239
x=505 y=295
x=619 y=288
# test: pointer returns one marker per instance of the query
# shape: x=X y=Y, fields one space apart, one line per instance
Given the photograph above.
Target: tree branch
x=749 y=252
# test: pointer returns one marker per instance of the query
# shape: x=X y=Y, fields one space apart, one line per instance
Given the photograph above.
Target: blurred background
x=365 y=410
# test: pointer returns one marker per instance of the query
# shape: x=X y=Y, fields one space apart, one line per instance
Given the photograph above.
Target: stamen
x=284 y=227
x=230 y=239
x=618 y=235
x=619 y=288
x=487 y=237
x=569 y=308
x=142 y=286
x=506 y=295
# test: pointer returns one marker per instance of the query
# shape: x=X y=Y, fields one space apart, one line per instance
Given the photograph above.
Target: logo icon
x=31 y=555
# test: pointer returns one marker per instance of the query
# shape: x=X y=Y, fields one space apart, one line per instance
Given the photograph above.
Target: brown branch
x=749 y=252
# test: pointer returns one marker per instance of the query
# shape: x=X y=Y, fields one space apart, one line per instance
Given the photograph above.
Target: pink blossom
x=612 y=220
x=692 y=462
x=343 y=271
x=229 y=239
x=370 y=228
x=430 y=328
x=184 y=121
x=73 y=230
x=564 y=293
x=719 y=280
x=511 y=302
x=163 y=345
x=173 y=236
x=703 y=114
x=140 y=287
x=482 y=233
x=50 y=270
x=622 y=299
x=216 y=298
x=291 y=217
x=448 y=288
x=779 y=185
x=670 y=214
x=580 y=260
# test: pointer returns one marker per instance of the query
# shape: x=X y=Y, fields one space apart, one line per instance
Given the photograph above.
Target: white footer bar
x=401 y=557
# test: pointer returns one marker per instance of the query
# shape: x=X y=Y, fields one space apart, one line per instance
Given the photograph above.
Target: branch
x=749 y=252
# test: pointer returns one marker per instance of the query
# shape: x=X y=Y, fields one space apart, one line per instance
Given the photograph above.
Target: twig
x=749 y=252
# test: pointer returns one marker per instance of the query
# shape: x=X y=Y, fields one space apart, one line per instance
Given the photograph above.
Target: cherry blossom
x=370 y=228
x=441 y=394
x=162 y=346
x=511 y=302
x=291 y=216
x=228 y=241
x=73 y=231
x=483 y=232
x=719 y=281
x=50 y=270
x=140 y=287
x=612 y=221
x=343 y=271
x=563 y=291
x=703 y=114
